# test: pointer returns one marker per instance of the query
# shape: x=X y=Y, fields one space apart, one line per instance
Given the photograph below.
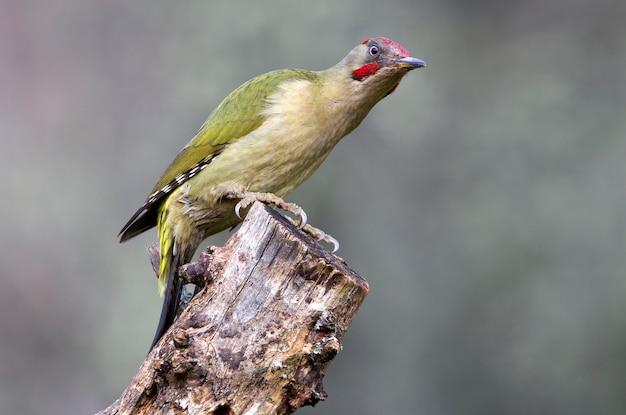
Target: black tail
x=170 y=301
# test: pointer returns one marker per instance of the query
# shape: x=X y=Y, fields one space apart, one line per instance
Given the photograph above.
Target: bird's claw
x=241 y=204
x=298 y=211
x=320 y=235
x=331 y=241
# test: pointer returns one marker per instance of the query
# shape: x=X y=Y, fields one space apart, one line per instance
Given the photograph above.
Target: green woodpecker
x=260 y=143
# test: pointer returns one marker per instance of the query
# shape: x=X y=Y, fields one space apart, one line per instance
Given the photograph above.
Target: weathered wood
x=257 y=338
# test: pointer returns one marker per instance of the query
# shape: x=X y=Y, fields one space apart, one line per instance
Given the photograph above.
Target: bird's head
x=379 y=62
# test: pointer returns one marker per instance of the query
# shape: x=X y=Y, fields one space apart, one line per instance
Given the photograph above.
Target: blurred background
x=484 y=201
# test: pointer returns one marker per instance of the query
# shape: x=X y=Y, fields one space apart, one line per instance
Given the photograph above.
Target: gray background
x=484 y=201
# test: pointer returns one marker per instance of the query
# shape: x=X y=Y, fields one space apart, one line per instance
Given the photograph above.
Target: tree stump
x=257 y=338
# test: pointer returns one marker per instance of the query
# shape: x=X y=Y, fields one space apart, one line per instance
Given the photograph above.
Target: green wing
x=240 y=113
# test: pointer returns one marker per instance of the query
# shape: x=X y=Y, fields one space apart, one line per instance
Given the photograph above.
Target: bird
x=260 y=143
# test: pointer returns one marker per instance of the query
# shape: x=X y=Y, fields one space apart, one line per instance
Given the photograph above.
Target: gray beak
x=410 y=62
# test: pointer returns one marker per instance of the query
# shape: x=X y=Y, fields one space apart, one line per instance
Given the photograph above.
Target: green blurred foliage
x=484 y=200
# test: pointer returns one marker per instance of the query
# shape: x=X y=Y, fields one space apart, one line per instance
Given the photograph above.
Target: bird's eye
x=374 y=51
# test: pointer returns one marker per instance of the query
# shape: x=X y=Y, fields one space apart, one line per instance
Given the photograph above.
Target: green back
x=240 y=113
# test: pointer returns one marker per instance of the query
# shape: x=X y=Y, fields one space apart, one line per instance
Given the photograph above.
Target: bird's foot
x=247 y=198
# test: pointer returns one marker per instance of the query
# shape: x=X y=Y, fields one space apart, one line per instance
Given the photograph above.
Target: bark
x=258 y=337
